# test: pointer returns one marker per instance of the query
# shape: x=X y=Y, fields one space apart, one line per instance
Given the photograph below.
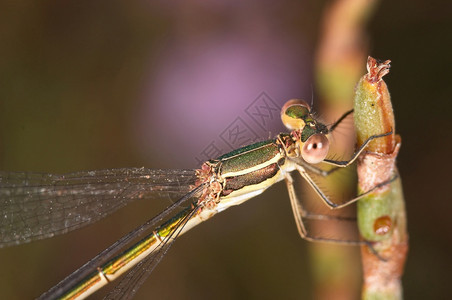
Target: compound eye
x=315 y=148
x=294 y=113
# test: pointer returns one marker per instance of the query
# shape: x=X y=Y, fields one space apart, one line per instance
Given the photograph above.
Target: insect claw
x=374 y=252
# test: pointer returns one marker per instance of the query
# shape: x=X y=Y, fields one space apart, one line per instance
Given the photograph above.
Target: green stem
x=381 y=214
x=338 y=65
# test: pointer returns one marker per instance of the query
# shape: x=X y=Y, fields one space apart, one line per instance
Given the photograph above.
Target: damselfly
x=36 y=206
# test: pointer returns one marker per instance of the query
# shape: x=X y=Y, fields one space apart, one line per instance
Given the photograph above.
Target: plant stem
x=343 y=47
x=381 y=214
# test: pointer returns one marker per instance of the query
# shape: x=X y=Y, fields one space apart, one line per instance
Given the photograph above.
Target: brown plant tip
x=373 y=108
x=377 y=69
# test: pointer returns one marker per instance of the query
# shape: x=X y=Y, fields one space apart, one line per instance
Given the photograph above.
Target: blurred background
x=90 y=85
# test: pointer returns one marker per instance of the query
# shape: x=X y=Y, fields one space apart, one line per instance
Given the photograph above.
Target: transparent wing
x=72 y=280
x=34 y=206
x=132 y=281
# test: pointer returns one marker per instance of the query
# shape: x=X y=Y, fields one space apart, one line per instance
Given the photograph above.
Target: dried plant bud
x=373 y=109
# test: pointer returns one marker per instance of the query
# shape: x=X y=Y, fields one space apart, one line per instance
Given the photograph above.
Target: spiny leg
x=345 y=163
x=300 y=213
x=345 y=115
x=317 y=170
x=338 y=163
x=325 y=198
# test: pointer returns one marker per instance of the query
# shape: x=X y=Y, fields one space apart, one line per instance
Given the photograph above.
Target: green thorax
x=250 y=156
